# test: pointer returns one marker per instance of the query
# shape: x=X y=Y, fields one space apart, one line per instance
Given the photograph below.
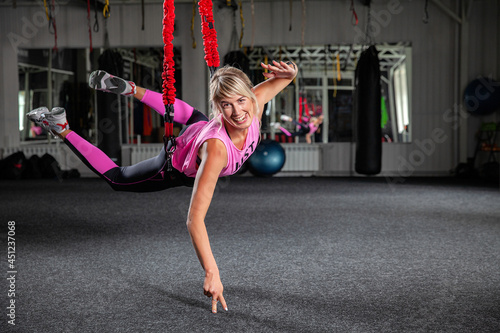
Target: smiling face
x=232 y=96
x=237 y=111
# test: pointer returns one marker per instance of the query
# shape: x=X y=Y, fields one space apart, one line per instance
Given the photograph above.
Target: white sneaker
x=286 y=118
x=275 y=125
x=52 y=121
x=101 y=80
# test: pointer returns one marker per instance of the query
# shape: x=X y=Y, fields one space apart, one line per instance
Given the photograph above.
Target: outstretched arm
x=279 y=76
x=214 y=158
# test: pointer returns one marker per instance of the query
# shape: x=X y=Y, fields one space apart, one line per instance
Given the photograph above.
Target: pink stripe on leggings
x=182 y=110
x=97 y=159
x=285 y=131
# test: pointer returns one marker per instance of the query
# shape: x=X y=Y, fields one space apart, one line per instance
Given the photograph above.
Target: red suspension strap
x=168 y=68
x=211 y=57
x=209 y=35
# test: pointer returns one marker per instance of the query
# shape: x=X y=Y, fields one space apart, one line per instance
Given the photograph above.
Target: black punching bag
x=109 y=107
x=368 y=114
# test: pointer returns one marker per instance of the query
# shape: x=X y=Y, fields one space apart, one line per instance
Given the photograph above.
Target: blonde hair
x=228 y=82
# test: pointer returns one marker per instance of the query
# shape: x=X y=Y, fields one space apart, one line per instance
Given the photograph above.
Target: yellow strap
x=46 y=9
x=192 y=24
x=105 y=11
x=266 y=61
x=242 y=24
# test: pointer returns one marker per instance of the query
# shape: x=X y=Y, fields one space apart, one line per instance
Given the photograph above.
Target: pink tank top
x=312 y=128
x=188 y=144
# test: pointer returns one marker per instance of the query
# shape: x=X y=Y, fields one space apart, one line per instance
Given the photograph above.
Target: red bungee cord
x=209 y=35
x=168 y=67
x=211 y=55
x=354 y=18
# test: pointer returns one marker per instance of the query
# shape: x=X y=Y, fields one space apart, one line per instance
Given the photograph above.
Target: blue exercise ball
x=482 y=96
x=269 y=158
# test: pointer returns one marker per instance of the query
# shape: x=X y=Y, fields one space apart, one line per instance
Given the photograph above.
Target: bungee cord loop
x=168 y=74
x=209 y=35
x=106 y=9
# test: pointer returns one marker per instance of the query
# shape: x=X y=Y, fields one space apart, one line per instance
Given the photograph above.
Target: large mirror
x=59 y=78
x=316 y=108
x=324 y=89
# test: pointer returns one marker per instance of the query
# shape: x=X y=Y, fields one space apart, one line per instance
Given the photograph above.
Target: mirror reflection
x=316 y=108
x=61 y=79
x=324 y=89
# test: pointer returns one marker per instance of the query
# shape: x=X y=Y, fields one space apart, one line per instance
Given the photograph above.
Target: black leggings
x=302 y=130
x=146 y=176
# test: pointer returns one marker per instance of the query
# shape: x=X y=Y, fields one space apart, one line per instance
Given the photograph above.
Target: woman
x=205 y=151
x=303 y=129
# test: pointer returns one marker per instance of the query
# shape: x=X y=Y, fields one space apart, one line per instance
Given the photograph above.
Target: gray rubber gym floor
x=295 y=255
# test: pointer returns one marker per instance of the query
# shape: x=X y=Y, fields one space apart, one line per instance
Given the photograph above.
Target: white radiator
x=302 y=157
x=39 y=150
x=299 y=157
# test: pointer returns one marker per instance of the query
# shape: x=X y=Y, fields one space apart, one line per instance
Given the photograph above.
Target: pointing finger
x=223 y=302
